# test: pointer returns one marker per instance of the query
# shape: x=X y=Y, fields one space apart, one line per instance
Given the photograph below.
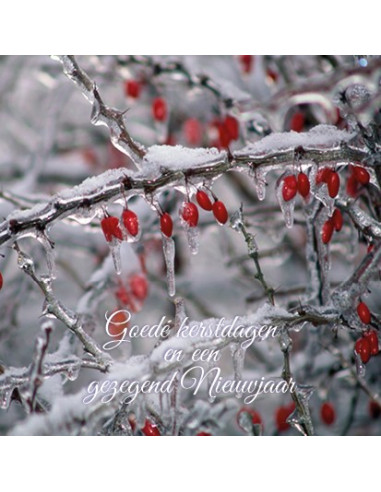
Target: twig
x=55 y=307
x=102 y=114
x=237 y=222
x=36 y=369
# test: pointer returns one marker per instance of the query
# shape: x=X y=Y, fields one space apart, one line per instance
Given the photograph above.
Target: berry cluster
x=126 y=228
x=293 y=185
x=367 y=345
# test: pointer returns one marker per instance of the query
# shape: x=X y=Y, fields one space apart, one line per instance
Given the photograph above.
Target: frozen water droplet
x=169 y=256
x=236 y=220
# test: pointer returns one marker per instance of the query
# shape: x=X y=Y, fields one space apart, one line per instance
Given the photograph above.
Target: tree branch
x=102 y=114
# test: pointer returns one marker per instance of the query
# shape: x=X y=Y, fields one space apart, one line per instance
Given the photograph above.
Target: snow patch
x=318 y=137
x=178 y=157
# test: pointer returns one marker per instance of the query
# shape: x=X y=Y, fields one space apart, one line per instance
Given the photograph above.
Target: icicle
x=169 y=256
x=193 y=238
x=286 y=207
x=115 y=253
x=260 y=182
x=238 y=356
x=49 y=250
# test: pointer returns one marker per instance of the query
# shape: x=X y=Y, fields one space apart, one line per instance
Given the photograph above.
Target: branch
x=102 y=114
x=112 y=184
x=55 y=307
x=174 y=68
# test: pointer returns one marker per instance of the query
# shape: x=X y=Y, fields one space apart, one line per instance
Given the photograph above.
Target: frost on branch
x=149 y=226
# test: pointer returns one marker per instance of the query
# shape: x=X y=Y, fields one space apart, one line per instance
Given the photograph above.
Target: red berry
x=327 y=413
x=255 y=416
x=362 y=348
x=110 y=228
x=203 y=434
x=374 y=409
x=193 y=131
x=247 y=62
x=131 y=222
x=132 y=88
x=303 y=185
x=281 y=416
x=139 y=286
x=333 y=184
x=232 y=127
x=224 y=136
x=372 y=338
x=337 y=219
x=220 y=212
x=150 y=429
x=290 y=187
x=327 y=231
x=1 y=281
x=363 y=312
x=297 y=122
x=352 y=186
x=203 y=200
x=189 y=213
x=159 y=109
x=361 y=175
x=166 y=224
x=323 y=175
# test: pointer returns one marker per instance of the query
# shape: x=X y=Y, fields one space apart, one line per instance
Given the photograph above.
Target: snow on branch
x=167 y=166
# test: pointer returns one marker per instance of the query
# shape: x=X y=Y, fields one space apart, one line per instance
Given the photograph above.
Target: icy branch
x=102 y=114
x=160 y=174
x=54 y=307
